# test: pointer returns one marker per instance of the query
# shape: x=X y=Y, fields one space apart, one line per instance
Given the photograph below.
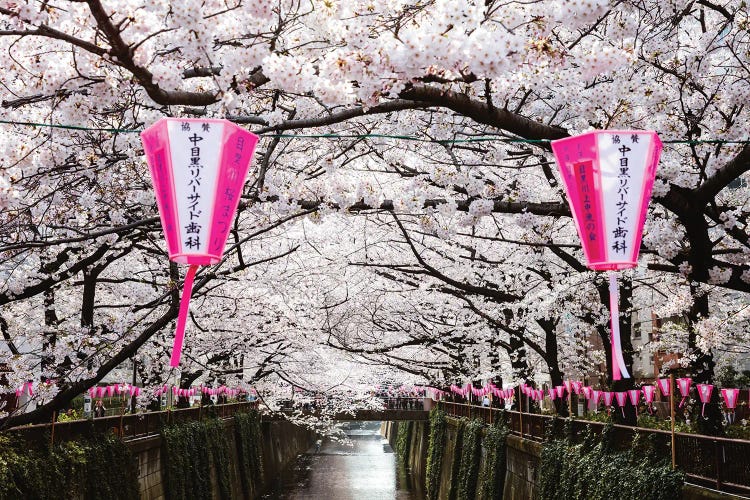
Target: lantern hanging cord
x=508 y=140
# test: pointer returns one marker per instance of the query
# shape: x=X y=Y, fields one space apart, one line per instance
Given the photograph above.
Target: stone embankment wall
x=282 y=443
x=417 y=447
x=522 y=459
x=522 y=463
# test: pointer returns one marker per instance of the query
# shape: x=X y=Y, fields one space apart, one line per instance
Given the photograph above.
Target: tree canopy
x=404 y=219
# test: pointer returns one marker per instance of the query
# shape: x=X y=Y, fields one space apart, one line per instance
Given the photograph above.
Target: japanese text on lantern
x=160 y=175
x=620 y=232
x=192 y=227
x=584 y=178
x=228 y=193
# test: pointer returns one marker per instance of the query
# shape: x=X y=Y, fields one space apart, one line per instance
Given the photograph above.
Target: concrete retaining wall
x=282 y=443
x=522 y=463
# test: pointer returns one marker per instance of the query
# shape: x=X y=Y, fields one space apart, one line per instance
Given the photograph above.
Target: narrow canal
x=364 y=469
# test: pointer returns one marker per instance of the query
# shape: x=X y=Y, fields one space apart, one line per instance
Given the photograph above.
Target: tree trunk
x=702 y=368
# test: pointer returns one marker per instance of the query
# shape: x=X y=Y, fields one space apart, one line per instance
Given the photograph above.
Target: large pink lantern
x=198 y=168
x=608 y=176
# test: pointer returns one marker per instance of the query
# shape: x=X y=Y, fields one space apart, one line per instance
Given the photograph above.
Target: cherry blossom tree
x=461 y=259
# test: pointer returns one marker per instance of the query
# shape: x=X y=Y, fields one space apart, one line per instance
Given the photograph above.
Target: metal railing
x=402 y=403
x=140 y=425
x=714 y=462
x=127 y=426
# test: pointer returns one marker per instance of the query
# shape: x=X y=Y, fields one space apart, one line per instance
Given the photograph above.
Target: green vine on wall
x=403 y=442
x=594 y=470
x=218 y=448
x=73 y=469
x=456 y=453
x=435 y=451
x=190 y=449
x=187 y=470
x=250 y=451
x=470 y=457
x=492 y=476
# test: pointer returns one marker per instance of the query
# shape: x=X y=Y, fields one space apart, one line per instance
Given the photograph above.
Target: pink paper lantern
x=684 y=385
x=568 y=386
x=596 y=396
x=608 y=397
x=621 y=398
x=198 y=168
x=648 y=393
x=608 y=176
x=730 y=397
x=664 y=386
x=110 y=390
x=587 y=391
x=704 y=392
x=559 y=390
x=577 y=387
x=635 y=396
x=552 y=394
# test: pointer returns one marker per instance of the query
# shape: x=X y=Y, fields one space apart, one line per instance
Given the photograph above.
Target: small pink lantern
x=635 y=396
x=596 y=396
x=608 y=176
x=649 y=391
x=704 y=392
x=198 y=168
x=730 y=397
x=621 y=398
x=684 y=386
x=560 y=389
x=568 y=386
x=577 y=387
x=587 y=392
x=110 y=390
x=608 y=397
x=552 y=393
x=664 y=386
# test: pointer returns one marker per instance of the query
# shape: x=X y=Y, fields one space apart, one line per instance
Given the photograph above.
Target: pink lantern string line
x=618 y=362
x=359 y=136
x=179 y=334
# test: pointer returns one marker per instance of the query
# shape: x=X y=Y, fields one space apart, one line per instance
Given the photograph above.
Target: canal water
x=364 y=469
